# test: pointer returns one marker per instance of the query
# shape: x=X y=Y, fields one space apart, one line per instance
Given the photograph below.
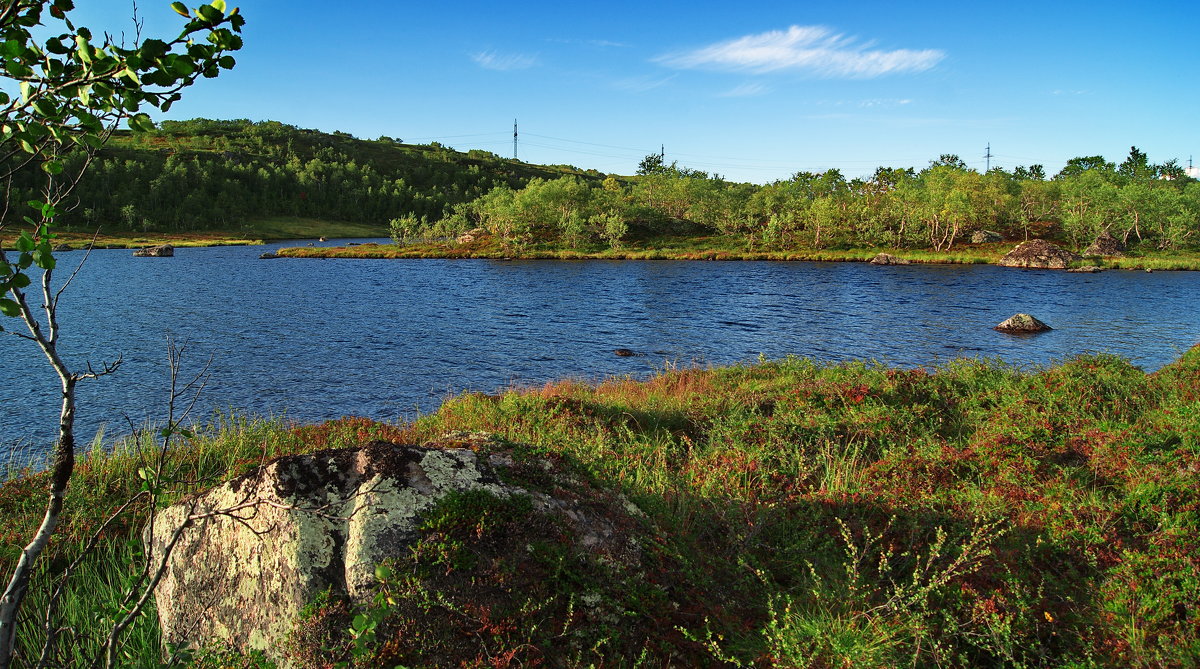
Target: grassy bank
x=831 y=515
x=254 y=232
x=653 y=248
x=717 y=248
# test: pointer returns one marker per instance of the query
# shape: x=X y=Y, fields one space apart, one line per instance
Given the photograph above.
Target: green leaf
x=19 y=281
x=9 y=308
x=210 y=13
x=141 y=123
x=25 y=242
x=84 y=49
x=52 y=167
x=44 y=258
x=181 y=9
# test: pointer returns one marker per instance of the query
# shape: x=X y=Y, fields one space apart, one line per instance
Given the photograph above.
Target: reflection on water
x=325 y=338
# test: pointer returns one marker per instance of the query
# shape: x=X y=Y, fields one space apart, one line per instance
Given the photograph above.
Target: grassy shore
x=717 y=248
x=831 y=515
x=254 y=232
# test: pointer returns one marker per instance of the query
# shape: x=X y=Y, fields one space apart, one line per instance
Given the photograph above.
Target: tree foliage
x=64 y=91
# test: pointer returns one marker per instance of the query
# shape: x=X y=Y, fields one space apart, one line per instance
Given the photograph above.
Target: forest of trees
x=1151 y=206
x=218 y=175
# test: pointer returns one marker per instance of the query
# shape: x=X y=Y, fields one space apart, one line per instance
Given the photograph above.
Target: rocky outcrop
x=1105 y=245
x=888 y=259
x=269 y=255
x=986 y=237
x=1086 y=269
x=1022 y=324
x=1039 y=253
x=250 y=554
x=163 y=251
x=63 y=248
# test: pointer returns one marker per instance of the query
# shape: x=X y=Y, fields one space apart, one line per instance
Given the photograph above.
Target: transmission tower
x=514 y=139
x=988 y=157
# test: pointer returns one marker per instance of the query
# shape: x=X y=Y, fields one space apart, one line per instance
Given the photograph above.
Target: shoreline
x=983 y=255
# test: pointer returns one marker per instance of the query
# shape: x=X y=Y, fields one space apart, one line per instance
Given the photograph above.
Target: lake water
x=319 y=339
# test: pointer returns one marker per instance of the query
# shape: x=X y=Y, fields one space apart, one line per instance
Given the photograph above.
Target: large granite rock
x=163 y=251
x=1039 y=253
x=251 y=553
x=1022 y=324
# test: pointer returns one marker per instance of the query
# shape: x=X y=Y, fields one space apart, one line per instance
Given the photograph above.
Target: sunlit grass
x=842 y=514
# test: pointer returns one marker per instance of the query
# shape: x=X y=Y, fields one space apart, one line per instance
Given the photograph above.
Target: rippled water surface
x=386 y=338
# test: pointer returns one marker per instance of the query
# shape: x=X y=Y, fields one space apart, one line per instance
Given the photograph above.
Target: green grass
x=253 y=232
x=828 y=515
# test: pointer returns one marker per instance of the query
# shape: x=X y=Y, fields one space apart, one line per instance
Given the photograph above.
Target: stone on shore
x=1039 y=254
x=986 y=237
x=1021 y=324
x=888 y=259
x=1105 y=245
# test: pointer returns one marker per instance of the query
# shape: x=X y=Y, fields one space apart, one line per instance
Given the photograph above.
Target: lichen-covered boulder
x=1022 y=324
x=246 y=557
x=986 y=237
x=1040 y=254
x=888 y=259
x=162 y=251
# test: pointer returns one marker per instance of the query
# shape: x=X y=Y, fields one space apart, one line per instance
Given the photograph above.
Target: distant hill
x=209 y=174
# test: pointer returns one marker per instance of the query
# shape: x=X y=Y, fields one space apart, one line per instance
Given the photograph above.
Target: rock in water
x=163 y=251
x=253 y=552
x=1039 y=253
x=888 y=259
x=1022 y=323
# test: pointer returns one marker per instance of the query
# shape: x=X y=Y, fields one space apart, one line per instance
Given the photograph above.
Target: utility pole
x=514 y=139
x=988 y=157
x=662 y=152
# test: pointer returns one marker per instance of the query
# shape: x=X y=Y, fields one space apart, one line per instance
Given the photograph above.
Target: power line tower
x=514 y=139
x=662 y=152
x=988 y=157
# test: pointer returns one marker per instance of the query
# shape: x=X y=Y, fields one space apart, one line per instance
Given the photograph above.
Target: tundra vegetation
x=797 y=514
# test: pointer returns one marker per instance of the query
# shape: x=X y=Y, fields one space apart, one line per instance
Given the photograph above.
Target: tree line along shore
x=206 y=181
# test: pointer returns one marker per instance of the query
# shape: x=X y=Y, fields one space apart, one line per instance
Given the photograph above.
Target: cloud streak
x=813 y=49
x=491 y=60
x=745 y=91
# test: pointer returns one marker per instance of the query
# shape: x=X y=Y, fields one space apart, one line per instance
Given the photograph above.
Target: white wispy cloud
x=745 y=91
x=492 y=60
x=884 y=102
x=641 y=84
x=814 y=49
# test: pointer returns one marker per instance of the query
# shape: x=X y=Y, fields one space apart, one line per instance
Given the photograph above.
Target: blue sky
x=753 y=90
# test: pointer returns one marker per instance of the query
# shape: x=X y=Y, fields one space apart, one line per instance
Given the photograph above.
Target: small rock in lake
x=163 y=251
x=1022 y=323
x=269 y=255
x=1087 y=269
x=624 y=352
x=62 y=248
x=322 y=239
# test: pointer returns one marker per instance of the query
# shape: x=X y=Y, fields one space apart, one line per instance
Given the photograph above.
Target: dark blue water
x=319 y=339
